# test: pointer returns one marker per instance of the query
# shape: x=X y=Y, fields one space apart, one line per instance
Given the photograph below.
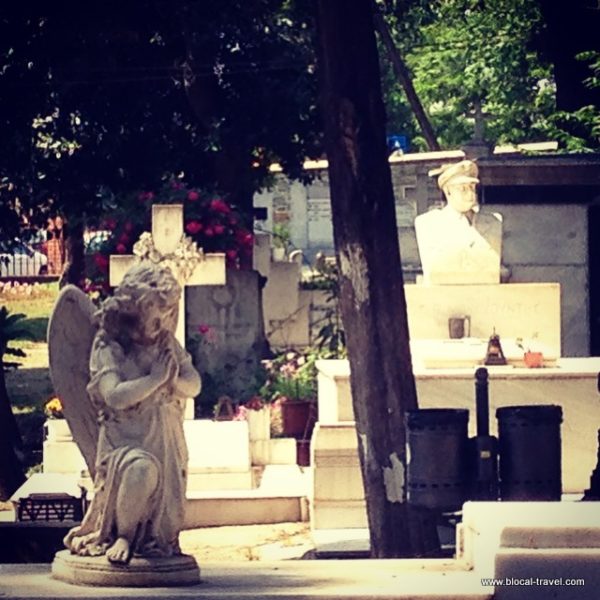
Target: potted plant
x=281 y=241
x=291 y=381
x=532 y=360
x=56 y=426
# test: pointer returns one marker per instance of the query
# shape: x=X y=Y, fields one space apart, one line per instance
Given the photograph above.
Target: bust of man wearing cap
x=459 y=243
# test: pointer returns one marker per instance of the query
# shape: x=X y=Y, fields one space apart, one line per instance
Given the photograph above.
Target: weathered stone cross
x=169 y=245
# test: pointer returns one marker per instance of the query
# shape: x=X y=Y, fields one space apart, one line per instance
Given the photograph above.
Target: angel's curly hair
x=146 y=285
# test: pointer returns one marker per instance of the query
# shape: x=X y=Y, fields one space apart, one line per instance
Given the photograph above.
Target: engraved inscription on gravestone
x=226 y=323
x=319 y=224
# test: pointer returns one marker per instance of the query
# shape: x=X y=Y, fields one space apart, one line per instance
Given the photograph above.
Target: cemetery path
x=280 y=541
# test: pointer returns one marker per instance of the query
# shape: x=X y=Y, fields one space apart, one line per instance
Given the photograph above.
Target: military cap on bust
x=465 y=171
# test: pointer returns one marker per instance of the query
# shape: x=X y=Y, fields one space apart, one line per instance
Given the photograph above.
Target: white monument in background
x=459 y=243
x=461 y=252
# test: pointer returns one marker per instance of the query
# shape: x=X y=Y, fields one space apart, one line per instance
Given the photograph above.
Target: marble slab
x=530 y=311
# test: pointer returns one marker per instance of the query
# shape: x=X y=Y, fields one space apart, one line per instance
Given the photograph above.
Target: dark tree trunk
x=74 y=270
x=371 y=286
x=570 y=30
x=11 y=471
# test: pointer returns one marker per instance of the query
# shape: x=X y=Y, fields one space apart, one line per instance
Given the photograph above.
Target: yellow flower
x=53 y=408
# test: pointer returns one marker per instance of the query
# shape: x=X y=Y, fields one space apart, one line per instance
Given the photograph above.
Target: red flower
x=143 y=196
x=203 y=329
x=101 y=261
x=217 y=205
x=208 y=232
x=121 y=249
x=193 y=227
x=218 y=229
x=193 y=196
x=231 y=254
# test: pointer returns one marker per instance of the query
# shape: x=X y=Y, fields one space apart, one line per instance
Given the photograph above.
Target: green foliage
x=579 y=131
x=464 y=52
x=117 y=98
x=291 y=375
x=12 y=327
x=281 y=236
x=331 y=339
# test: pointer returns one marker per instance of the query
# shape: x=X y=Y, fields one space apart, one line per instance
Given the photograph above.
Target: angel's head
x=143 y=306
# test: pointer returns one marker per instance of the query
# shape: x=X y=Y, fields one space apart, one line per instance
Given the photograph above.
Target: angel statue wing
x=71 y=332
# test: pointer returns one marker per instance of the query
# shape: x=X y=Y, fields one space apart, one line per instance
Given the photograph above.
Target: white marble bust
x=459 y=243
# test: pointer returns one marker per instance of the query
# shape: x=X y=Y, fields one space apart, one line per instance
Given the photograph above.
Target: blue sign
x=397 y=142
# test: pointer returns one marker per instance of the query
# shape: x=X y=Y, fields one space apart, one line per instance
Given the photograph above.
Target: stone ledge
x=556 y=565
x=317 y=580
x=558 y=536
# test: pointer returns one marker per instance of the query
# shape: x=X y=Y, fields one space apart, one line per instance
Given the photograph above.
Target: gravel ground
x=281 y=541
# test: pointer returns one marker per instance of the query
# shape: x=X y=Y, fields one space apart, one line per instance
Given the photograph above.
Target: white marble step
x=292 y=579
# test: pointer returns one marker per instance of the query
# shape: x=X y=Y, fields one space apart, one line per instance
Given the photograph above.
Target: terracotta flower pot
x=533 y=360
x=299 y=417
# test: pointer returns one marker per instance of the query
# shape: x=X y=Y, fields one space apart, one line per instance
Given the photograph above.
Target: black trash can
x=529 y=452
x=437 y=457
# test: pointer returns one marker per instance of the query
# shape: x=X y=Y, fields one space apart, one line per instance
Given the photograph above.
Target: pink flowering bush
x=291 y=376
x=213 y=223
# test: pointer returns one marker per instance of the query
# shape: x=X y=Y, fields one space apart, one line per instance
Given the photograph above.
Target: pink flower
x=124 y=239
x=193 y=196
x=143 y=196
x=203 y=329
x=121 y=249
x=176 y=185
x=218 y=229
x=220 y=206
x=101 y=261
x=208 y=232
x=128 y=227
x=193 y=227
x=231 y=254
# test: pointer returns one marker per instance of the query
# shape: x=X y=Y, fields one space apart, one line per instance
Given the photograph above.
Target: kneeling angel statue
x=123 y=380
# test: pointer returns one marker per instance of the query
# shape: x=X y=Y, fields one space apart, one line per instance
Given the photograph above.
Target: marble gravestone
x=168 y=245
x=225 y=333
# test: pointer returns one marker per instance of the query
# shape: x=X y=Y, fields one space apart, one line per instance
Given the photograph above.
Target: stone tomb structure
x=169 y=245
x=227 y=459
x=544 y=202
x=444 y=370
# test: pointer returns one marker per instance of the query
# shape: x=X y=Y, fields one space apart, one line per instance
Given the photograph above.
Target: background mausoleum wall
x=541 y=242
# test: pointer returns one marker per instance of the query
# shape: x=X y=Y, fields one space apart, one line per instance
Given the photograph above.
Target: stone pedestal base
x=140 y=572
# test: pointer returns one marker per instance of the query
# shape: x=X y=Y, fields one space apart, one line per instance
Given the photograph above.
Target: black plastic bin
x=438 y=458
x=529 y=452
